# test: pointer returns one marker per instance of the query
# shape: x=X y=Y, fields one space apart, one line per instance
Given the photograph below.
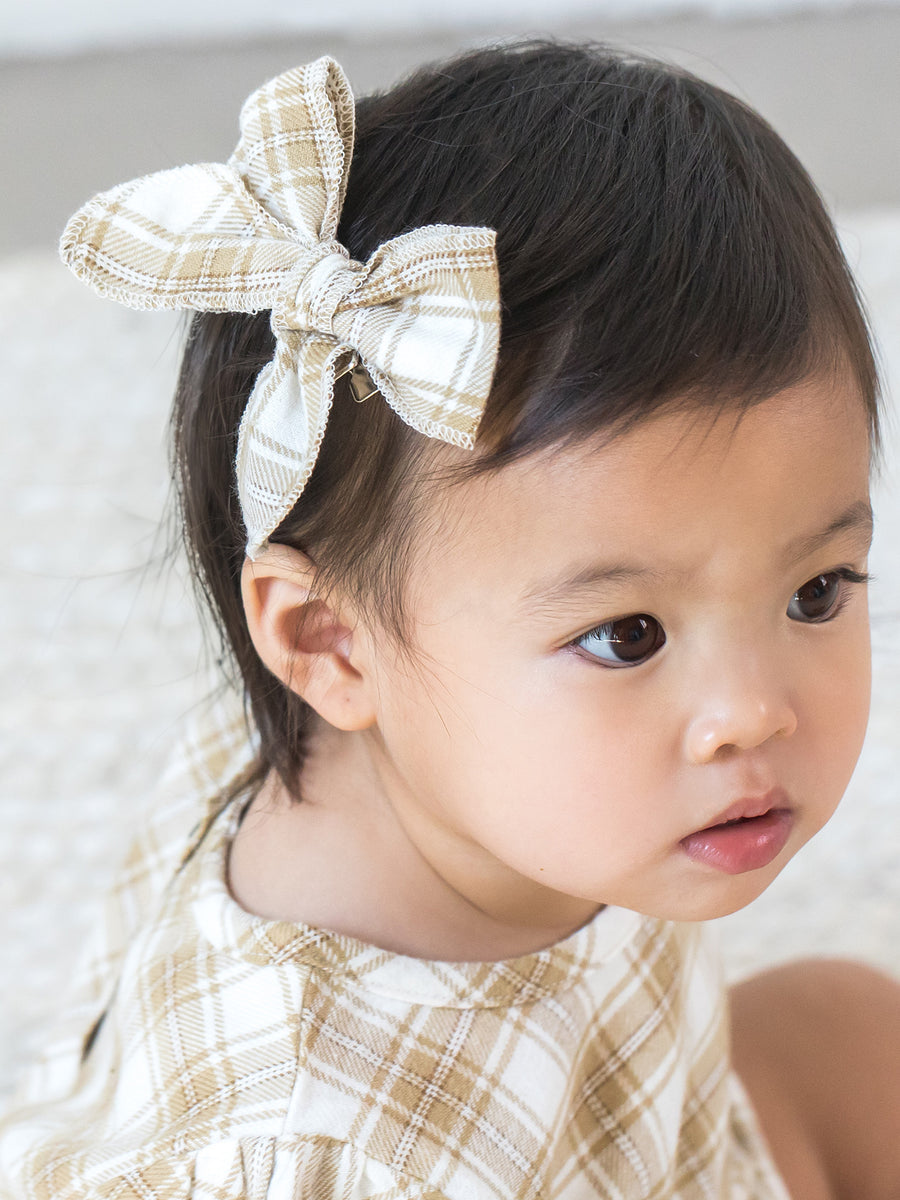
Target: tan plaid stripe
x=257 y=233
x=242 y=1058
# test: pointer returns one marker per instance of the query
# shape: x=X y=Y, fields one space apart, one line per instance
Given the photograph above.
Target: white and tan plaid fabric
x=231 y=1057
x=258 y=233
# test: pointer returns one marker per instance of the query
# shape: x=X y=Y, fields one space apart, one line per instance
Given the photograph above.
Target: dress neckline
x=260 y=941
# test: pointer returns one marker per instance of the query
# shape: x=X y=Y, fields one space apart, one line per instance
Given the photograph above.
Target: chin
x=714 y=897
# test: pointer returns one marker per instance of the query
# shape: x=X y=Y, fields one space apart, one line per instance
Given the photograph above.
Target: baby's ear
x=304 y=639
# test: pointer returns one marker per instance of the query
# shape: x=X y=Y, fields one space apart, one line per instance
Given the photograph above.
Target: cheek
x=837 y=709
x=563 y=750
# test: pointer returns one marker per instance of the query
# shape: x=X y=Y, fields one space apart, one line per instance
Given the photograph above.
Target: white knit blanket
x=101 y=654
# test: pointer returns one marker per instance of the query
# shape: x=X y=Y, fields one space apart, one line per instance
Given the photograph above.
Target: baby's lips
x=751 y=806
x=748 y=844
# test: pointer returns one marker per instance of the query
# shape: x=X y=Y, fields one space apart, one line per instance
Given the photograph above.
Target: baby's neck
x=341 y=859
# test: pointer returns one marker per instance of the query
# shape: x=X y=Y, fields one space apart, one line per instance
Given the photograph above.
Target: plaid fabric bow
x=422 y=315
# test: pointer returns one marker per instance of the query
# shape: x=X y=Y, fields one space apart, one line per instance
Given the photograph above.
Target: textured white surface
x=100 y=650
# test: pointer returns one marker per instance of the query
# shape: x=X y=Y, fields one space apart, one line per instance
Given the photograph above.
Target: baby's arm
x=817 y=1045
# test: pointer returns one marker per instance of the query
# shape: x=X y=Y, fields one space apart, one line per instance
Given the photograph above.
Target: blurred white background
x=50 y=26
x=100 y=652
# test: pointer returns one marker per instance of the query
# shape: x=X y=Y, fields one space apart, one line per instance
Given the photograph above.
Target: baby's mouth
x=748 y=836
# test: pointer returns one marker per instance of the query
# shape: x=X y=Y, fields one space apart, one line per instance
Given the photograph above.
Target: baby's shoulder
x=205 y=767
x=215 y=751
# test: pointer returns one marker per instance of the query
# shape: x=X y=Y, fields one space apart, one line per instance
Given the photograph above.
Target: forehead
x=672 y=491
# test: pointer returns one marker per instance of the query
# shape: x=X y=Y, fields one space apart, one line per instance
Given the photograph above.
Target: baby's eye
x=625 y=642
x=822 y=598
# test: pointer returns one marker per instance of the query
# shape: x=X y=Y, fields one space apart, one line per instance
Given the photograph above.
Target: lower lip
x=743 y=846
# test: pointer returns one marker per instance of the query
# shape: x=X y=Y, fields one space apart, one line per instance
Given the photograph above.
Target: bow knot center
x=323 y=286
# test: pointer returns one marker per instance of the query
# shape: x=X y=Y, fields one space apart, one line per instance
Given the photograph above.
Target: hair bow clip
x=420 y=319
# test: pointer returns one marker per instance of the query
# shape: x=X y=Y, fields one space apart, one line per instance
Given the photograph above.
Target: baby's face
x=624 y=645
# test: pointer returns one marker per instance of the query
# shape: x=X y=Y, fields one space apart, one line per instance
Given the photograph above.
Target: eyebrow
x=857 y=519
x=549 y=596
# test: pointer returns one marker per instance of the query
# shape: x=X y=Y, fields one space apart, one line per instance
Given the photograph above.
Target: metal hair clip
x=360 y=381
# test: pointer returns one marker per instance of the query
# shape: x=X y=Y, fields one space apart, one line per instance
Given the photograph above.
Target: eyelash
x=846 y=575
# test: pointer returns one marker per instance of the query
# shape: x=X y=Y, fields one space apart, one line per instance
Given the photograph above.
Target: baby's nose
x=741 y=711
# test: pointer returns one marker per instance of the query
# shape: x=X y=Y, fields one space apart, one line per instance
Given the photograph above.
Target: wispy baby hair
x=657 y=243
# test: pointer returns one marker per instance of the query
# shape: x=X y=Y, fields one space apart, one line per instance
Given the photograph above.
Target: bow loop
x=189 y=237
x=423 y=318
x=295 y=146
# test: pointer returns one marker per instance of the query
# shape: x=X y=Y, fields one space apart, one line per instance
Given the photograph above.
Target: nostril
x=735 y=728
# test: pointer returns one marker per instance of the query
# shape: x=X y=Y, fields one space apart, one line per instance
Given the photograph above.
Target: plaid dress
x=216 y=1055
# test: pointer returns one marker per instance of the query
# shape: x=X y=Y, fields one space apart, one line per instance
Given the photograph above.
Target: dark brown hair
x=657 y=243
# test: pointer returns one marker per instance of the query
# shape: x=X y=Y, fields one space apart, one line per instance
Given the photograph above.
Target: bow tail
x=281 y=431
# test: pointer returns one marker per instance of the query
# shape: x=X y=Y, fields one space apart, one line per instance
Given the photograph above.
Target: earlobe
x=303 y=639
